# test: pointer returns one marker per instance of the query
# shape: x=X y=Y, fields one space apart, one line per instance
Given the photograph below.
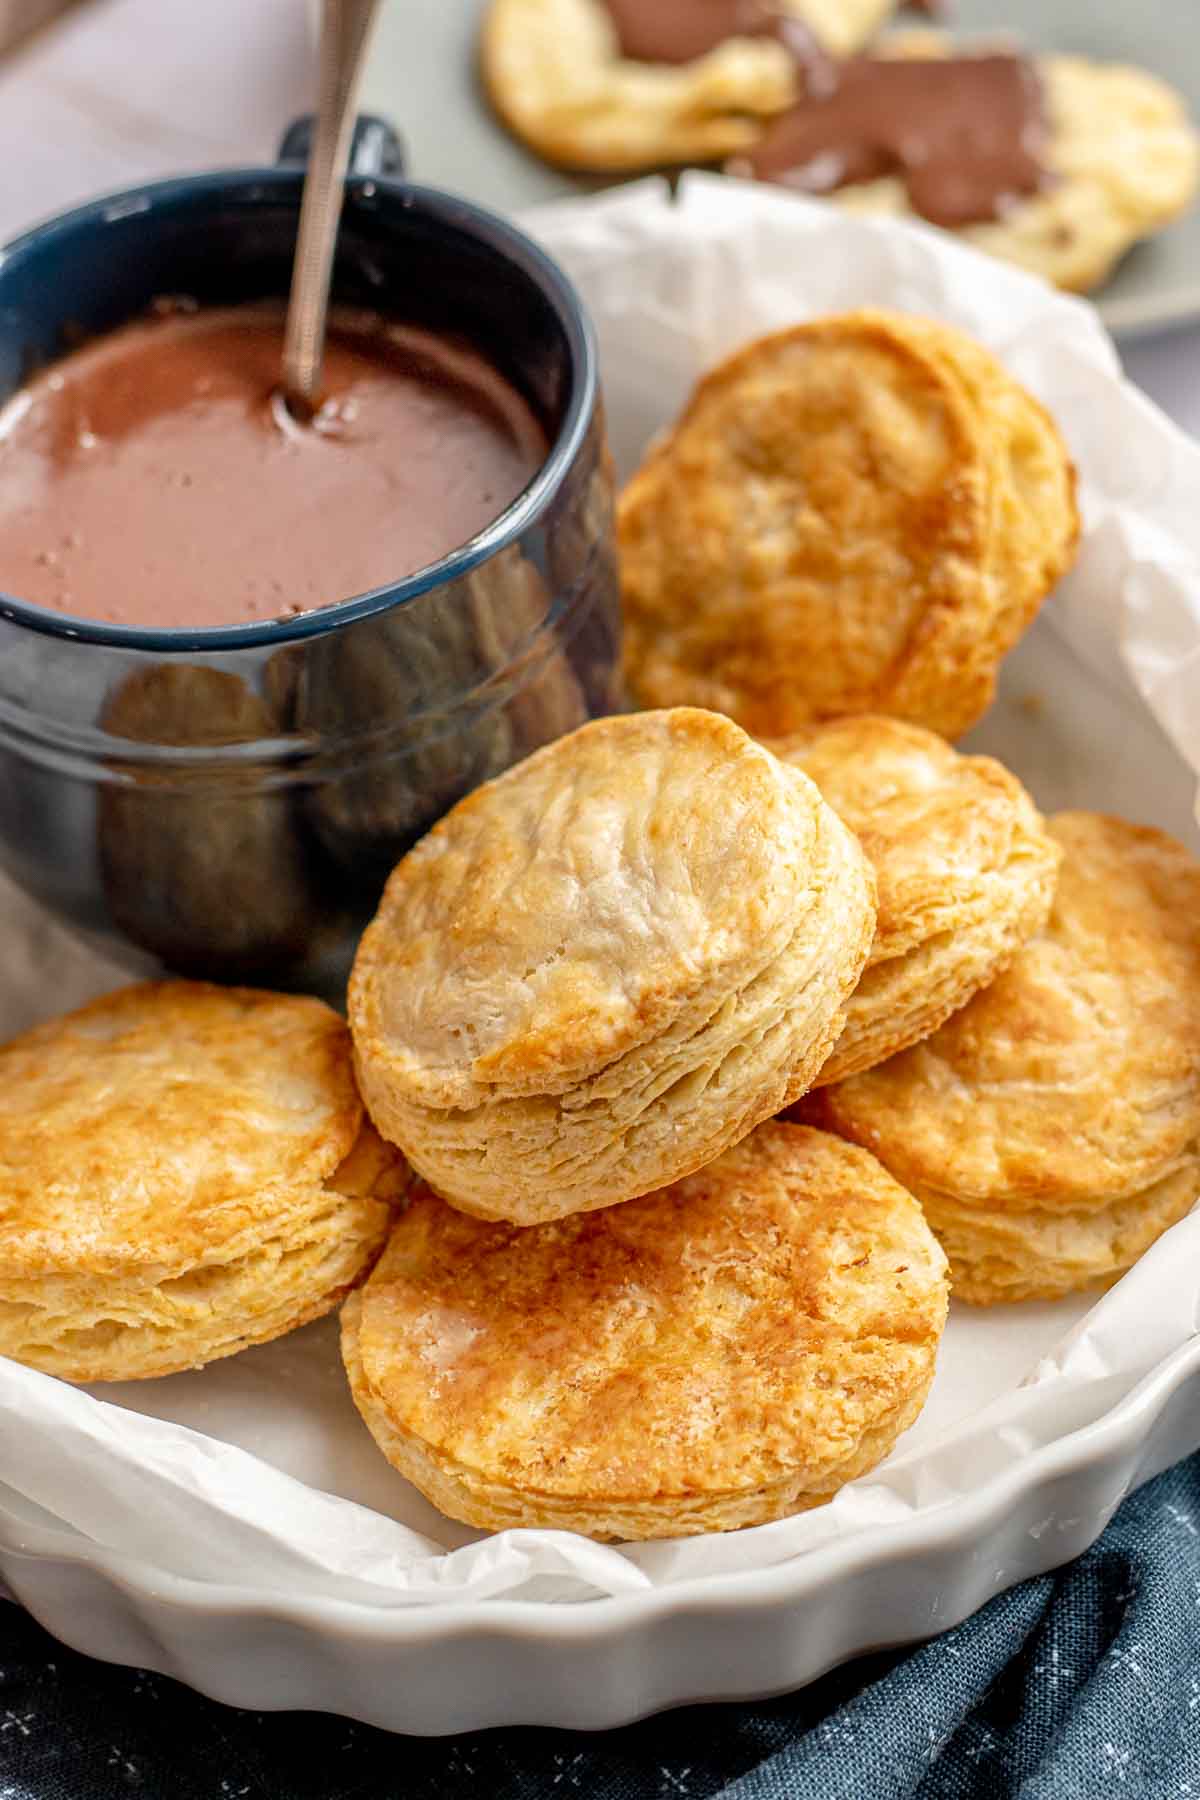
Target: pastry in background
x=1055 y=163
x=860 y=514
x=606 y=966
x=1051 y=1129
x=728 y=1351
x=964 y=867
x=628 y=85
x=184 y=1170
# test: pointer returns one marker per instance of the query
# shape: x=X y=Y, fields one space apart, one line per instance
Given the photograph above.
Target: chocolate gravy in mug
x=155 y=478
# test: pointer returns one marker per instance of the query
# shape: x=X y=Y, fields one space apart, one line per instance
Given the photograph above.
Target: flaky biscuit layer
x=718 y=1354
x=860 y=514
x=601 y=969
x=1075 y=1078
x=1045 y=1253
x=1051 y=1124
x=964 y=868
x=554 y=73
x=184 y=1170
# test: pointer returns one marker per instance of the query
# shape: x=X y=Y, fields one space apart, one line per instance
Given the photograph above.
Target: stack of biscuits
x=624 y=1299
x=1051 y=1129
x=184 y=1170
x=691 y=1061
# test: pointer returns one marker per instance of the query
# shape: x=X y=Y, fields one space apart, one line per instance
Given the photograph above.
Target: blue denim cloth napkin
x=1077 y=1686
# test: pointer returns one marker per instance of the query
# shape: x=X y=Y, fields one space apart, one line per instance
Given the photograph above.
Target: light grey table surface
x=124 y=90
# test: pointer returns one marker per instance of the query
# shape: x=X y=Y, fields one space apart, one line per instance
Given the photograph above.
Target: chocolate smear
x=965 y=134
x=679 y=31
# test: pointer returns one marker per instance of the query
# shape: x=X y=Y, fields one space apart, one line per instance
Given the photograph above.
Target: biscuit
x=184 y=1170
x=1051 y=1127
x=600 y=970
x=1042 y=1254
x=1124 y=158
x=727 y=1351
x=554 y=73
x=964 y=868
x=861 y=514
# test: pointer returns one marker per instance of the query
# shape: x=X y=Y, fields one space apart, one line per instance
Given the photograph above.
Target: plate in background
x=422 y=75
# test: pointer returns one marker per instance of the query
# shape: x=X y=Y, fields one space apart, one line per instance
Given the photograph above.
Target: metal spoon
x=345 y=28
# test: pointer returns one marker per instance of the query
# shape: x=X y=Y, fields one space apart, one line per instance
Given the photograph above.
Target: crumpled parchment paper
x=255 y=1473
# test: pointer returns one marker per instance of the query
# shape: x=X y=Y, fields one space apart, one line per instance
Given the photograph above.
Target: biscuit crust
x=1060 y=1104
x=601 y=969
x=184 y=1170
x=554 y=73
x=727 y=1351
x=964 y=867
x=605 y=967
x=1125 y=158
x=859 y=514
x=1043 y=1254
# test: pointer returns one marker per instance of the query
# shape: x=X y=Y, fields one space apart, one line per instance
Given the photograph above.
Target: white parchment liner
x=256 y=1473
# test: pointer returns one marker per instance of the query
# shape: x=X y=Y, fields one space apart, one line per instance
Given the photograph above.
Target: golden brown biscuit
x=184 y=1170
x=964 y=868
x=727 y=1351
x=861 y=514
x=1051 y=1127
x=1125 y=158
x=554 y=72
x=606 y=966
x=1044 y=1253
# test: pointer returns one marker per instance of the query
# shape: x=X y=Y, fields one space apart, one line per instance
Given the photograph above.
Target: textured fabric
x=1076 y=1686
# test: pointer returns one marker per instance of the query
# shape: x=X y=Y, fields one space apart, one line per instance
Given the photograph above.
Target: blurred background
x=99 y=94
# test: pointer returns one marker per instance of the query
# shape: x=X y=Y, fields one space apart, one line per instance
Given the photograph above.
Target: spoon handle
x=345 y=28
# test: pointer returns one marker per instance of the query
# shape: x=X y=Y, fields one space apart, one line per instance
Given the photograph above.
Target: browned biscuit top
x=946 y=834
x=1075 y=1078
x=163 y=1120
x=859 y=514
x=613 y=885
x=764 y=1316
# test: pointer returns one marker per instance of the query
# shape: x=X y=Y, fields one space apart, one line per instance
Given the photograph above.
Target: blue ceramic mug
x=227 y=802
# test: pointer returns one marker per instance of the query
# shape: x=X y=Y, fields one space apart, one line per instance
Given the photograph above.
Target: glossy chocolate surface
x=154 y=477
x=965 y=134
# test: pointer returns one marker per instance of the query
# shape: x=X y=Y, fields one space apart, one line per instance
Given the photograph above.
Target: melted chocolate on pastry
x=678 y=31
x=964 y=133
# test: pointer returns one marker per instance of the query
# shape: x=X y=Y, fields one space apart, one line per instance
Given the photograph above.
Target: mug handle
x=375 y=149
